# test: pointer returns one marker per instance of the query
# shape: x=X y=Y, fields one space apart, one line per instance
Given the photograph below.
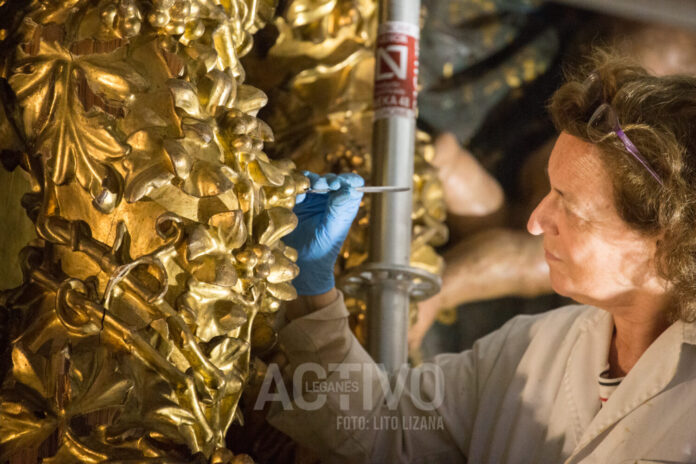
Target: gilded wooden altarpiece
x=159 y=220
x=158 y=261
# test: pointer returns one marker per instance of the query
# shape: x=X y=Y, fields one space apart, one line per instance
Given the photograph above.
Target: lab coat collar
x=587 y=359
x=689 y=332
x=653 y=371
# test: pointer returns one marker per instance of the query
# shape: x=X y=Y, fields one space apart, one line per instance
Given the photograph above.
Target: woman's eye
x=570 y=211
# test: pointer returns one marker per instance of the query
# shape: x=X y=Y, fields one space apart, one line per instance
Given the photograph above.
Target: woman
x=610 y=380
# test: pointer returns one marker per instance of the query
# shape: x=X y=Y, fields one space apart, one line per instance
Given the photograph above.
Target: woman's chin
x=560 y=283
x=565 y=287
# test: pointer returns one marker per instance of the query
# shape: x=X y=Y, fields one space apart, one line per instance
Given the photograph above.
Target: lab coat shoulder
x=497 y=356
x=511 y=380
x=482 y=386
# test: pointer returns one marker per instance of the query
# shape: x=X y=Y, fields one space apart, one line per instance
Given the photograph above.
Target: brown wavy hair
x=658 y=114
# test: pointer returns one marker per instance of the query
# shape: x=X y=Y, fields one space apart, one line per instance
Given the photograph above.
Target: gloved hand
x=323 y=223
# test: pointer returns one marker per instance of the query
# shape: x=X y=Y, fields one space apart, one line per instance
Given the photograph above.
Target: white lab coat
x=526 y=393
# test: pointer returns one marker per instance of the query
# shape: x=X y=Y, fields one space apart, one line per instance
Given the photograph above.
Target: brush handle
x=367 y=189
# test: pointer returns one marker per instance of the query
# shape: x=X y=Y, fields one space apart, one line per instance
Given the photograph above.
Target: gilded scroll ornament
x=159 y=219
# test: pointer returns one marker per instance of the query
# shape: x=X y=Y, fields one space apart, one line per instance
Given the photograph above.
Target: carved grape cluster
x=124 y=17
x=177 y=17
x=172 y=17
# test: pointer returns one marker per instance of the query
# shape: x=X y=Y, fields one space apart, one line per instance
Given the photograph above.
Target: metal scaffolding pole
x=389 y=280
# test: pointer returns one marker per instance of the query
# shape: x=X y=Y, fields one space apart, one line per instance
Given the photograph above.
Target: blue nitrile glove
x=323 y=223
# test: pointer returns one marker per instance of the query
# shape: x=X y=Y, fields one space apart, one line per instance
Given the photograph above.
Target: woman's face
x=594 y=257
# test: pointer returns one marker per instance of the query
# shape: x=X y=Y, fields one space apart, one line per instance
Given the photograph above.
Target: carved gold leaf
x=76 y=142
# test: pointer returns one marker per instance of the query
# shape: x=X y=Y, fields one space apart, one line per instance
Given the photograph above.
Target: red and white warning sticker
x=396 y=70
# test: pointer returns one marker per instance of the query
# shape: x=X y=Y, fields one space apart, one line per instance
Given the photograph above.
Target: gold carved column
x=158 y=219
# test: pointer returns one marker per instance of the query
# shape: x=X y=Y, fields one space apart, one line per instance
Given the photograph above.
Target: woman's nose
x=541 y=221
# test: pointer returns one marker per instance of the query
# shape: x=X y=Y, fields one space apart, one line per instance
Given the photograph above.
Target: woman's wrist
x=305 y=304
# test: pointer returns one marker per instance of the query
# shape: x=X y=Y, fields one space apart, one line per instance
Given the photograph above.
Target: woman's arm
x=346 y=408
x=305 y=304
